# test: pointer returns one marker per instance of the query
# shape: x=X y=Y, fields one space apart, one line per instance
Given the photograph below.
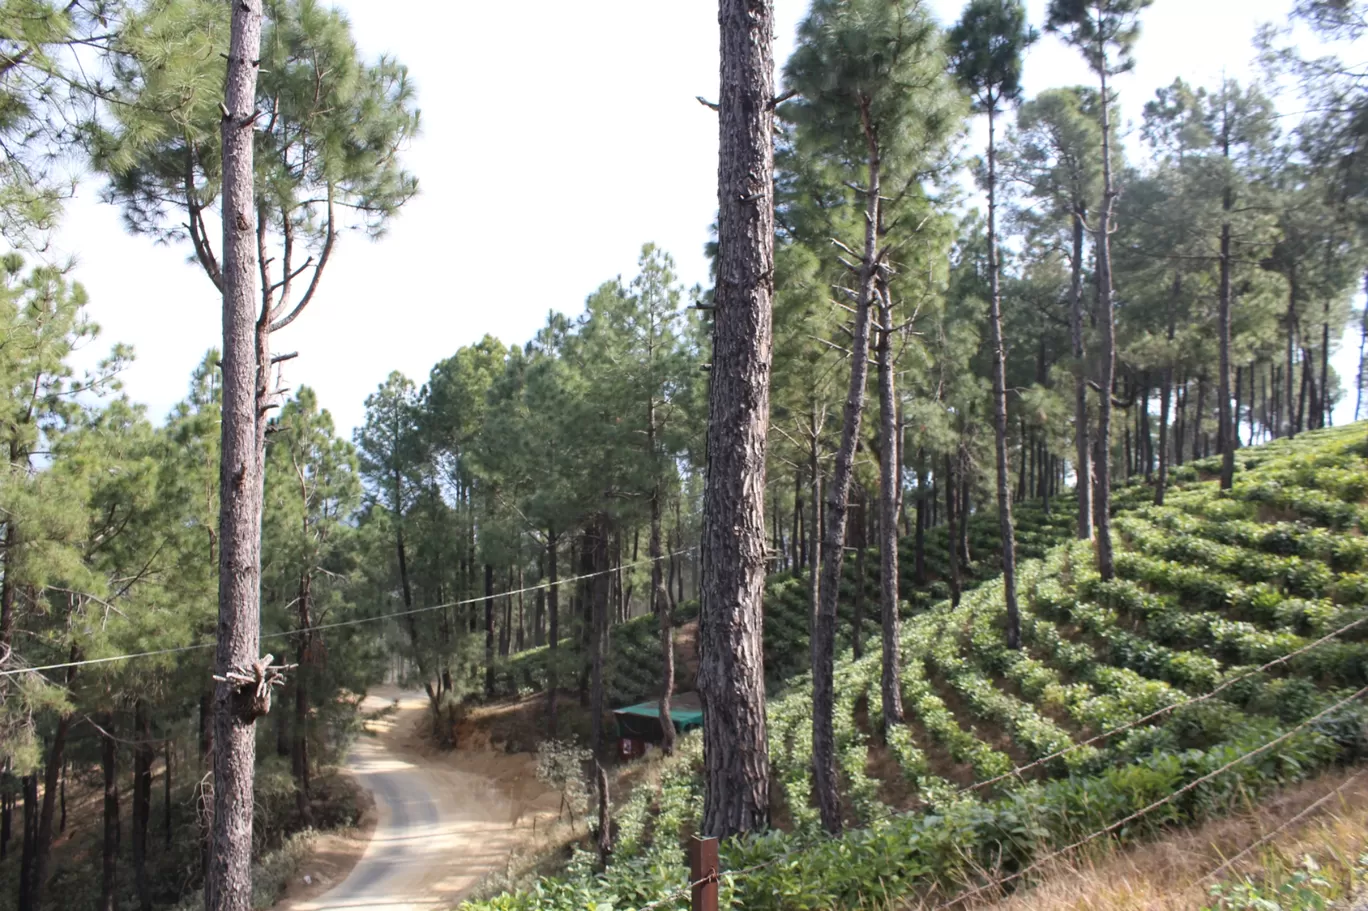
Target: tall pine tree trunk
x=245 y=369
x=731 y=676
x=109 y=866
x=299 y=748
x=1165 y=393
x=142 y=801
x=1107 y=360
x=999 y=354
x=1082 y=463
x=599 y=596
x=28 y=859
x=1225 y=419
x=553 y=630
x=1363 y=350
x=859 y=540
x=951 y=552
x=47 y=811
x=1291 y=330
x=1323 y=415
x=919 y=539
x=814 y=533
x=661 y=609
x=6 y=810
x=489 y=629
x=837 y=502
x=890 y=474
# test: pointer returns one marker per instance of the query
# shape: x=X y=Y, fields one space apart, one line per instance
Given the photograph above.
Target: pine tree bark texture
x=731 y=676
x=240 y=473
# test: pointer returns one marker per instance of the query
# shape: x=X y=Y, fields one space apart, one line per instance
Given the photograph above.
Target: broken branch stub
x=252 y=686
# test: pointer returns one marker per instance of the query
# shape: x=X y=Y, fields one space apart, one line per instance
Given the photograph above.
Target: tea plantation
x=1220 y=664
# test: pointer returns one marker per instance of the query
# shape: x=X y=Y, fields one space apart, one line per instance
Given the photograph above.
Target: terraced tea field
x=1225 y=660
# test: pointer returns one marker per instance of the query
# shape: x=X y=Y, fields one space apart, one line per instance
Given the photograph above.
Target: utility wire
x=1227 y=864
x=201 y=646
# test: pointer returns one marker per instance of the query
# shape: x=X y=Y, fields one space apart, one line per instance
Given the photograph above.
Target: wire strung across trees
x=1018 y=771
x=201 y=646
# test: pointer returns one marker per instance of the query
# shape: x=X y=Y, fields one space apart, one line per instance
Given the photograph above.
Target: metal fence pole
x=703 y=868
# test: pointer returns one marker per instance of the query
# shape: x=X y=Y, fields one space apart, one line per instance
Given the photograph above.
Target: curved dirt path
x=443 y=821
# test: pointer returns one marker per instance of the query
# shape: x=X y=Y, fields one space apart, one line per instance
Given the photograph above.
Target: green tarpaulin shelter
x=641 y=722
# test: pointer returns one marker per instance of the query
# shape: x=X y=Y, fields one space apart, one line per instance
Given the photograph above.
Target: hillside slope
x=1222 y=663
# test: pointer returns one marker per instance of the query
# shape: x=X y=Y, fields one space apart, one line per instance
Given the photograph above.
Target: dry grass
x=1171 y=874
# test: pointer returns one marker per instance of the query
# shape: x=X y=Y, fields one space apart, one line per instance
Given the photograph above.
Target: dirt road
x=444 y=821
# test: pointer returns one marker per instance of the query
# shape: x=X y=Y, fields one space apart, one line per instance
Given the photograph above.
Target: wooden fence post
x=703 y=870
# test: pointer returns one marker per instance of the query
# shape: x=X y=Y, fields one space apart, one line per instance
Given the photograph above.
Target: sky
x=556 y=139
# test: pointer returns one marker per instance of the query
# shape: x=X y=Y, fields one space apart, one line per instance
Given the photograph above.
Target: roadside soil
x=443 y=821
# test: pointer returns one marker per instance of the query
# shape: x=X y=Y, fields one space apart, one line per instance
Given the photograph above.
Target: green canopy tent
x=639 y=724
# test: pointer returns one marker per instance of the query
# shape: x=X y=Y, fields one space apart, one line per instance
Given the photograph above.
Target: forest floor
x=443 y=820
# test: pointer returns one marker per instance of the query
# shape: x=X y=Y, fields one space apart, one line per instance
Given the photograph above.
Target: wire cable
x=202 y=646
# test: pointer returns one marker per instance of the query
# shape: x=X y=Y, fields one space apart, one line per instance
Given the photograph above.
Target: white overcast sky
x=557 y=138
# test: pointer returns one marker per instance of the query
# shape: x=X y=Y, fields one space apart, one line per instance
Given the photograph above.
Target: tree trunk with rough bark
x=245 y=370
x=731 y=676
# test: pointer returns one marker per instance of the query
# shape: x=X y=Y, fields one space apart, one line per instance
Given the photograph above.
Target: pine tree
x=1056 y=153
x=731 y=675
x=852 y=70
x=986 y=47
x=1104 y=31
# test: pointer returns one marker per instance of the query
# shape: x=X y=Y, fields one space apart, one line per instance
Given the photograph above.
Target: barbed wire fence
x=705 y=873
x=703 y=876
